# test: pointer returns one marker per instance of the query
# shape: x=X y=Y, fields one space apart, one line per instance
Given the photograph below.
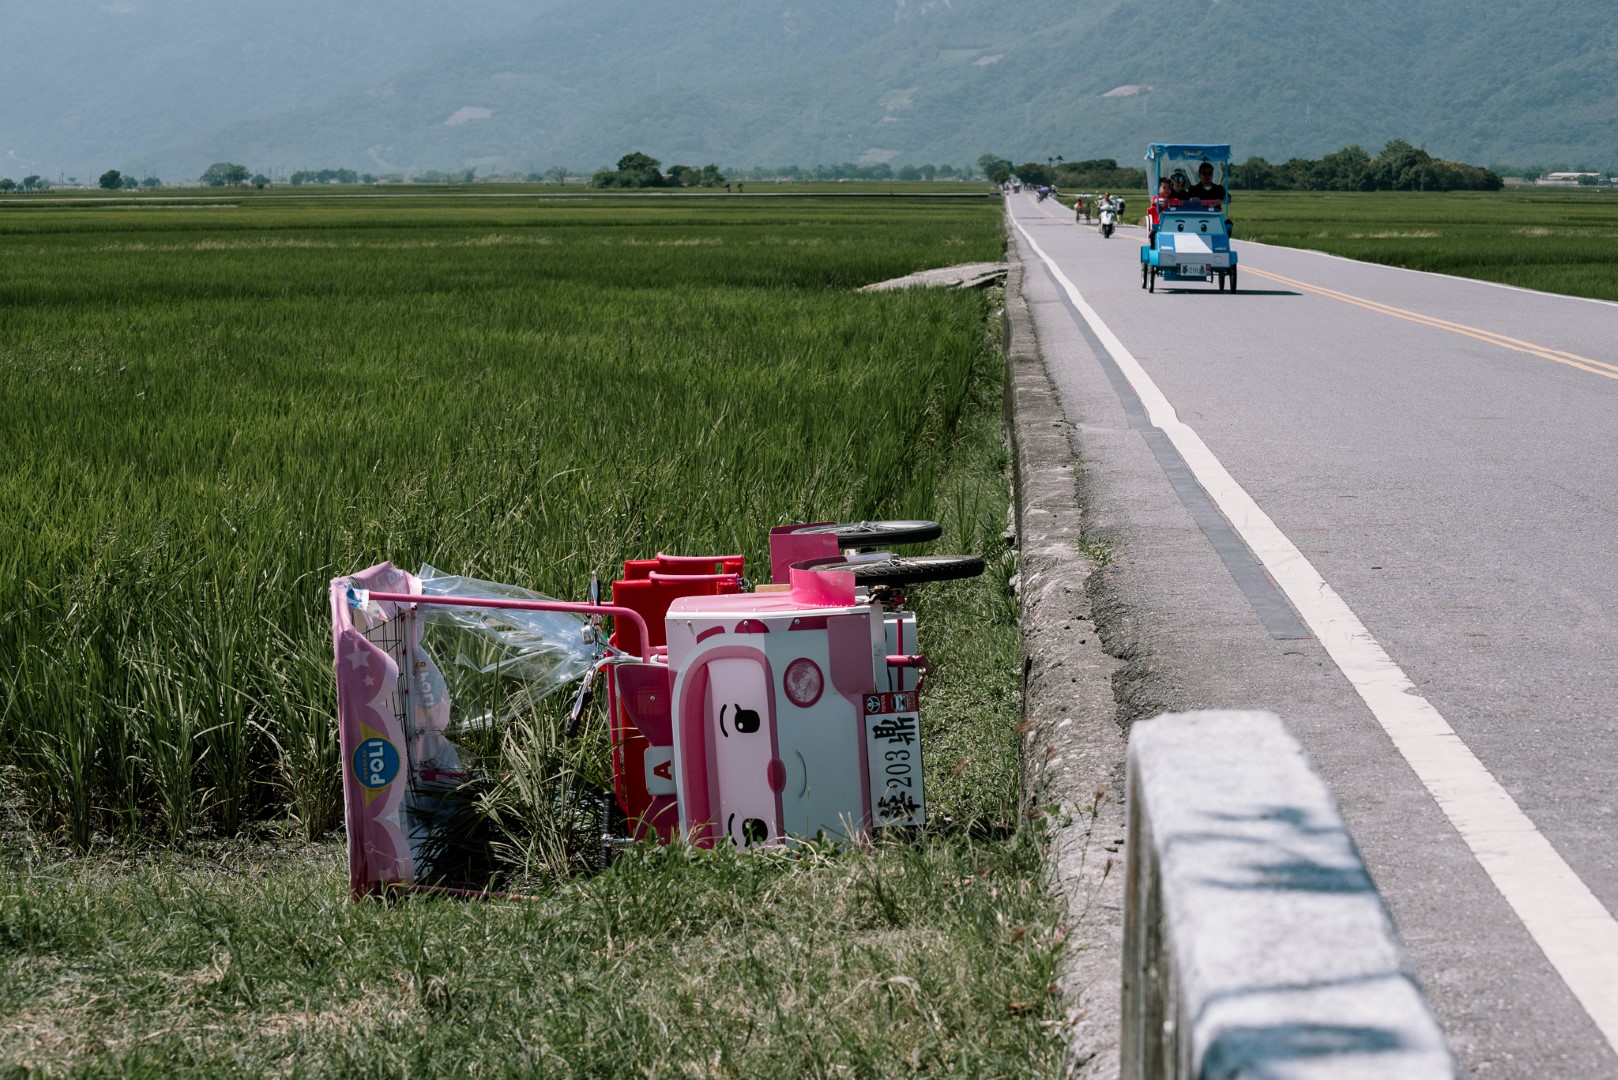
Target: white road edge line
x=1577 y=934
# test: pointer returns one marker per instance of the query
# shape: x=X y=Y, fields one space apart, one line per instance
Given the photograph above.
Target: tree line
x=638 y=170
x=1102 y=174
x=1399 y=167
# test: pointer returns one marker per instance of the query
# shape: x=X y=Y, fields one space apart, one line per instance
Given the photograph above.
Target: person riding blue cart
x=1190 y=238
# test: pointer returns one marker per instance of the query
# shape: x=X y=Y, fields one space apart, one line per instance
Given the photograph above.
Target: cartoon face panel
x=742 y=745
x=819 y=742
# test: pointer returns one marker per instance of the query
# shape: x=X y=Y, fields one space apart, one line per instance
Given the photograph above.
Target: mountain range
x=165 y=87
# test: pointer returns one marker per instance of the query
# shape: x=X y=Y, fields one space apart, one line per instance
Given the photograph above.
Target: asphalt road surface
x=1382 y=505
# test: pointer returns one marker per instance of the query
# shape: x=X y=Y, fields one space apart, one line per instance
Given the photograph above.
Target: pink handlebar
x=527 y=605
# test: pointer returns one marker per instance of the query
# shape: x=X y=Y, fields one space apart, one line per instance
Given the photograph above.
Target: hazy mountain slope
x=810 y=81
x=91 y=84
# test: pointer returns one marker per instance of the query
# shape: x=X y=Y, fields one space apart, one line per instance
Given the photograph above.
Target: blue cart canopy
x=1166 y=159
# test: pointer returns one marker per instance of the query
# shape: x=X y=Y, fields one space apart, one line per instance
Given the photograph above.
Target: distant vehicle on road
x=1190 y=232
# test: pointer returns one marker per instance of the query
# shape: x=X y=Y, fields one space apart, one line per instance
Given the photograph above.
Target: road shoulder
x=1072 y=747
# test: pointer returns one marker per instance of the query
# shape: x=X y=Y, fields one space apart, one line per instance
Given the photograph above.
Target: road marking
x=1577 y=934
x=1429 y=273
x=1544 y=352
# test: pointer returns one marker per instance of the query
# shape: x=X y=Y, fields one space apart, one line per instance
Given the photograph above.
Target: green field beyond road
x=208 y=411
x=1555 y=240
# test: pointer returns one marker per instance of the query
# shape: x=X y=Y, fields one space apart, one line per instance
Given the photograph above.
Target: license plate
x=1194 y=271
x=893 y=753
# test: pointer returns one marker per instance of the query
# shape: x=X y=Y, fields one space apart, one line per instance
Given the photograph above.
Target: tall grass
x=208 y=412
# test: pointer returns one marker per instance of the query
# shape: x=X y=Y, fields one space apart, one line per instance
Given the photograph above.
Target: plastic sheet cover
x=423 y=690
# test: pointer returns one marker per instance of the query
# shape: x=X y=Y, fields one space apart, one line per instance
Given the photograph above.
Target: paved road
x=1442 y=454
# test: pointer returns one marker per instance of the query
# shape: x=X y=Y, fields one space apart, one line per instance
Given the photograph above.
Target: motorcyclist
x=1104 y=206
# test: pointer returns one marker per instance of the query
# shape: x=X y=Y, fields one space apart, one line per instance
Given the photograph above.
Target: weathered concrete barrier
x=1255 y=944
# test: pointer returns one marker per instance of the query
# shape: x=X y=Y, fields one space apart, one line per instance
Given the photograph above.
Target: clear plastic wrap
x=499 y=662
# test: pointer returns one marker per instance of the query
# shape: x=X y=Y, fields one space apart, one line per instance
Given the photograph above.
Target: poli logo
x=376 y=763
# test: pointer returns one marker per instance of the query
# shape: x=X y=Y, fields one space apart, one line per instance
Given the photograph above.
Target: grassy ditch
x=218 y=409
x=1555 y=240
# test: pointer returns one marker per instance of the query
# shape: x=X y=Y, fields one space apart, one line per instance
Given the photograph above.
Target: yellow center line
x=1490 y=337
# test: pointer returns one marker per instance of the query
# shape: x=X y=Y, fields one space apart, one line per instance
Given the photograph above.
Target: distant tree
x=7 y=184
x=1099 y=174
x=997 y=169
x=35 y=183
x=684 y=176
x=261 y=181
x=640 y=168
x=129 y=183
x=711 y=176
x=908 y=172
x=946 y=172
x=111 y=180
x=325 y=176
x=634 y=170
x=1348 y=169
x=222 y=173
x=151 y=182
x=1254 y=174
x=1034 y=172
x=557 y=174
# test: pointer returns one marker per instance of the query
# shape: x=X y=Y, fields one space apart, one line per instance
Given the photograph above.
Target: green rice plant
x=166 y=720
x=1538 y=238
x=301 y=727
x=218 y=408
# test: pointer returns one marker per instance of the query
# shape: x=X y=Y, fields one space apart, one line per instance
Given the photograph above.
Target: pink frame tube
x=695 y=560
x=728 y=579
x=527 y=605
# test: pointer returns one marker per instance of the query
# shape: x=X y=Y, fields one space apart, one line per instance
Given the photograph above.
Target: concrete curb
x=1256 y=944
x=1072 y=747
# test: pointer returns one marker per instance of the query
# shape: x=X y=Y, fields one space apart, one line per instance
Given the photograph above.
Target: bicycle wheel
x=911 y=570
x=872 y=534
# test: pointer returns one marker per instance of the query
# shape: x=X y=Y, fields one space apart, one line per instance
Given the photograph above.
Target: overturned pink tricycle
x=753 y=715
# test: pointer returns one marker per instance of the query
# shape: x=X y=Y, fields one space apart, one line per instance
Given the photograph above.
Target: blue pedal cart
x=1190 y=240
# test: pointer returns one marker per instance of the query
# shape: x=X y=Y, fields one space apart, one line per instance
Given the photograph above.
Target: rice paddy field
x=1557 y=240
x=1553 y=239
x=209 y=409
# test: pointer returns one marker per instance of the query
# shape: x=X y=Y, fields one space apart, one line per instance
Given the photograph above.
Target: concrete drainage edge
x=1072 y=748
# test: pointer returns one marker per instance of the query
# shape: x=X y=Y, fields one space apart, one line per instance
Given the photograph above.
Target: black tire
x=1233 y=279
x=874 y=534
x=909 y=570
x=1221 y=276
x=1151 y=280
x=1145 y=268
